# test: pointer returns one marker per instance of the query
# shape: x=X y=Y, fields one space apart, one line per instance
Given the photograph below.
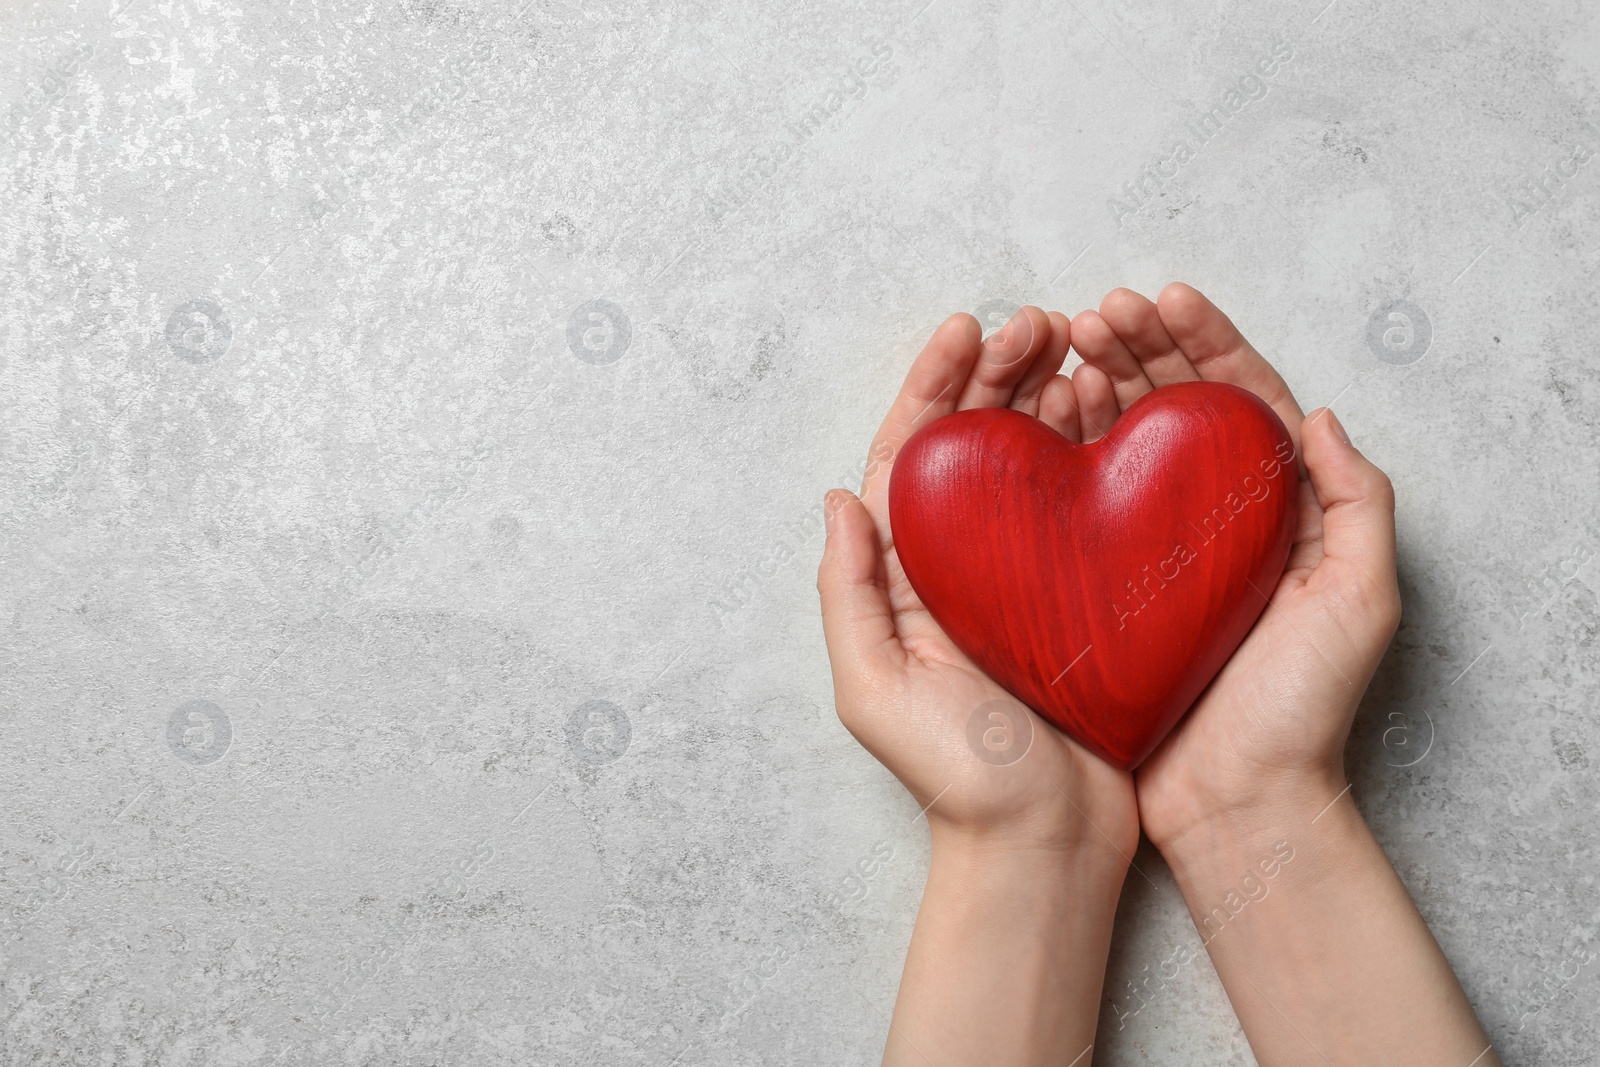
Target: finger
x=1357 y=502
x=932 y=385
x=1306 y=551
x=1098 y=344
x=1006 y=357
x=1097 y=401
x=1045 y=365
x=1137 y=322
x=1219 y=352
x=857 y=620
x=1058 y=408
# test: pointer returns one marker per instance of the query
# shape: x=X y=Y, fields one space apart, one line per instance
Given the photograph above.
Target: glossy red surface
x=1106 y=584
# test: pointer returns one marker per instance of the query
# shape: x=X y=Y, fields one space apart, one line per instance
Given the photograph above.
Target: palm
x=1300 y=653
x=1054 y=768
x=902 y=688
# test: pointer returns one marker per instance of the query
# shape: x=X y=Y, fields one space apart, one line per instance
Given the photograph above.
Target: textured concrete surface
x=416 y=418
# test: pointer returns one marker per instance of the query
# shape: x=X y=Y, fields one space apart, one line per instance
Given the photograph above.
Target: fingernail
x=1338 y=427
x=828 y=509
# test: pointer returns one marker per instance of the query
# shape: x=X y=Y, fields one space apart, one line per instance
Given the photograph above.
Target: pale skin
x=1333 y=964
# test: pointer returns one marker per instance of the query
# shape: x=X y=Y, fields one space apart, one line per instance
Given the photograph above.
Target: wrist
x=1024 y=866
x=1298 y=852
x=1200 y=817
x=1007 y=961
x=1273 y=809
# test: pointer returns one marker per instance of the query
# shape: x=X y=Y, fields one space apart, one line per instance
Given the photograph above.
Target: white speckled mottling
x=529 y=750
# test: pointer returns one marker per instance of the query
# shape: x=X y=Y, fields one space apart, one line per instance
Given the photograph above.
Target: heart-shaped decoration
x=1105 y=584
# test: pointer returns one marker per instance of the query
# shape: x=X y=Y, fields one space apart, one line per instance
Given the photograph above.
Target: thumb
x=1357 y=502
x=856 y=617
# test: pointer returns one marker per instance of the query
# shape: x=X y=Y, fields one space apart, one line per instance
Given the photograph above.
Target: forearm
x=1323 y=954
x=1008 y=957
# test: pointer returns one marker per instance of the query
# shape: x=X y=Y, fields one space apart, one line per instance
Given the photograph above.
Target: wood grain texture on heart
x=1105 y=584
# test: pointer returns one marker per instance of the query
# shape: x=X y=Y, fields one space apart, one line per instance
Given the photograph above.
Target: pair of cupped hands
x=1270 y=730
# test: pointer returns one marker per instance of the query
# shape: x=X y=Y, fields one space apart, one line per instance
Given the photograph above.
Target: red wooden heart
x=1106 y=584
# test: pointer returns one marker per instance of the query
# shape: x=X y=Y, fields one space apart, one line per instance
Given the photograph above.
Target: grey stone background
x=408 y=660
